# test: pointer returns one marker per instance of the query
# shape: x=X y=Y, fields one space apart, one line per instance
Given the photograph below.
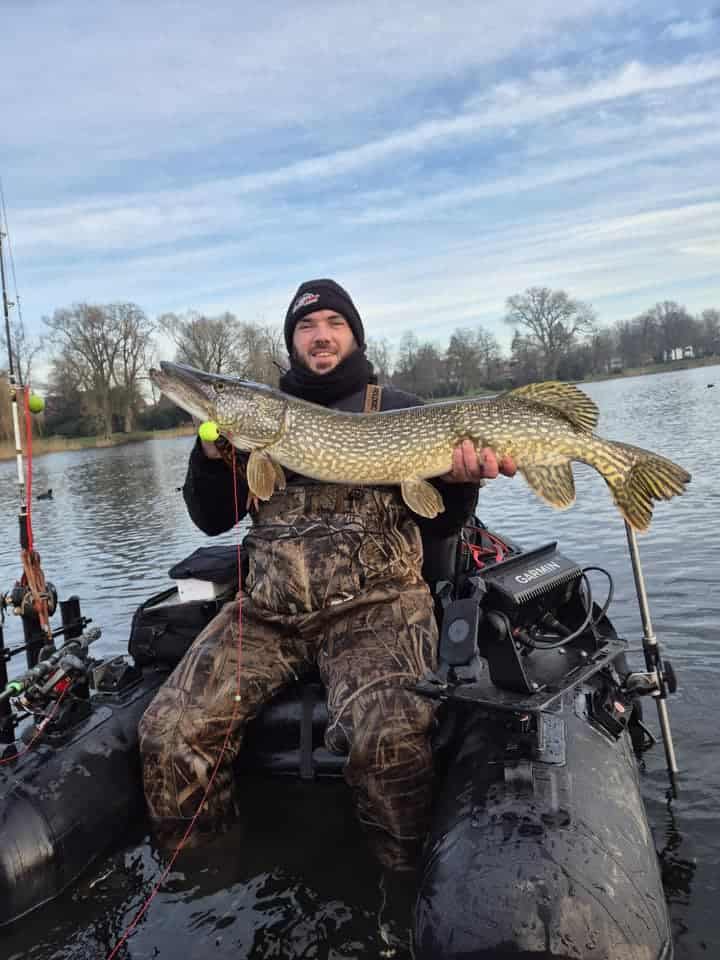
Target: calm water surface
x=293 y=879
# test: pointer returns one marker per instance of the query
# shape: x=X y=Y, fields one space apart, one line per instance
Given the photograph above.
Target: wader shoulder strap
x=373 y=396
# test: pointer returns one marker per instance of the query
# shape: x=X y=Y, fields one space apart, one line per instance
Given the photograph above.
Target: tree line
x=99 y=355
x=554 y=337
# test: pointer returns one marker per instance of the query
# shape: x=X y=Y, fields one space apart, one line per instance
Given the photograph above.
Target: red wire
x=183 y=840
x=28 y=485
x=477 y=550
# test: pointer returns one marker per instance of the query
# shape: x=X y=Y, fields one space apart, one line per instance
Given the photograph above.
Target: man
x=335 y=579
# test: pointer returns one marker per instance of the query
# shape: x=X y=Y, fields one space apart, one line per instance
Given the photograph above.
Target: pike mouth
x=191 y=376
x=189 y=388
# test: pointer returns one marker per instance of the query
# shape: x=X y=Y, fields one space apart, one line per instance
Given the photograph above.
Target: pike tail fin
x=646 y=477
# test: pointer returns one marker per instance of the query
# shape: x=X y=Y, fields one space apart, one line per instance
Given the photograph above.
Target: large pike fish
x=543 y=427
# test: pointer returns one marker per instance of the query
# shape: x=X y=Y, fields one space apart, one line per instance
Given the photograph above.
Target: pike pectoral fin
x=553 y=482
x=263 y=475
x=422 y=497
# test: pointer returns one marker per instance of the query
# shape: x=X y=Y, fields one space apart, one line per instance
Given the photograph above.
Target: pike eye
x=219 y=387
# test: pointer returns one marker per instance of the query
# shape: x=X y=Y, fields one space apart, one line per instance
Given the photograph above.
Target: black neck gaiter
x=351 y=375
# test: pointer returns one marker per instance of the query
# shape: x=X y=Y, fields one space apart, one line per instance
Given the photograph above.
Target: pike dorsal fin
x=565 y=398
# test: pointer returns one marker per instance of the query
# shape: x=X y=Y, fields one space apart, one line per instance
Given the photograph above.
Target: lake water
x=294 y=879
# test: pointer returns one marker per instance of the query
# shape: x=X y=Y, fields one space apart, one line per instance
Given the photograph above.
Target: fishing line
x=28 y=472
x=236 y=706
x=12 y=268
x=33 y=575
x=39 y=729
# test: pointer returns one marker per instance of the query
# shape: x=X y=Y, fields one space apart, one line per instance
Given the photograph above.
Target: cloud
x=466 y=280
x=433 y=161
x=114 y=221
x=553 y=175
x=140 y=80
x=690 y=29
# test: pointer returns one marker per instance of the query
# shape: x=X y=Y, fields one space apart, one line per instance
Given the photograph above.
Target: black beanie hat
x=322 y=295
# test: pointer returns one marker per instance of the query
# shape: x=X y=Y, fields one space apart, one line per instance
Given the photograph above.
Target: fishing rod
x=39 y=600
x=12 y=380
x=659 y=680
x=6 y=726
x=33 y=598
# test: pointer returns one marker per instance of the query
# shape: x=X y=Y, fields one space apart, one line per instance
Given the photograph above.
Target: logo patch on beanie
x=304 y=299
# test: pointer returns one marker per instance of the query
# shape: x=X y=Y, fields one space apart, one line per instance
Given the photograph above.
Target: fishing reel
x=21 y=601
x=56 y=691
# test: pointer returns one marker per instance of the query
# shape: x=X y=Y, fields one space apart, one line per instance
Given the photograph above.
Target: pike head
x=250 y=415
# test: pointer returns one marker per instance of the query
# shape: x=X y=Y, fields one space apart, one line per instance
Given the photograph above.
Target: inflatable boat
x=540 y=846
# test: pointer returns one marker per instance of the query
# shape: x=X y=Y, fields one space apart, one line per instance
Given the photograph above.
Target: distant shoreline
x=672 y=366
x=45 y=445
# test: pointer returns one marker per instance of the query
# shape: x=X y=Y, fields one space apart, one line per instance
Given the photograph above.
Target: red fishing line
x=183 y=840
x=28 y=484
x=39 y=730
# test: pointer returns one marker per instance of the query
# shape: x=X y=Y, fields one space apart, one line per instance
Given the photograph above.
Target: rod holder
x=653 y=659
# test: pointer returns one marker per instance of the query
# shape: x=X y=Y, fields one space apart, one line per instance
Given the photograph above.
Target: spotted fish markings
x=544 y=427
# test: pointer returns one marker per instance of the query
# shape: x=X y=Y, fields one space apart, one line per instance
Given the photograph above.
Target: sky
x=435 y=159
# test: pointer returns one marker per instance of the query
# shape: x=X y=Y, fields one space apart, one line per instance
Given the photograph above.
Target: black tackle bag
x=163 y=627
x=219 y=564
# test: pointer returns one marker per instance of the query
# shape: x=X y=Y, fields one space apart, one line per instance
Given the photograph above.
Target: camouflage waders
x=334 y=580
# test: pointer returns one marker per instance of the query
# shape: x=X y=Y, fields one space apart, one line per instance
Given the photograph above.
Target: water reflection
x=295 y=880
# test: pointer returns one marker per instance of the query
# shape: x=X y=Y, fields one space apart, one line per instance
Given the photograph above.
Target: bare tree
x=489 y=354
x=261 y=350
x=602 y=347
x=676 y=328
x=429 y=371
x=404 y=375
x=102 y=349
x=134 y=331
x=463 y=361
x=24 y=350
x=208 y=343
x=628 y=343
x=525 y=359
x=710 y=331
x=551 y=320
x=69 y=407
x=85 y=336
x=380 y=354
x=223 y=344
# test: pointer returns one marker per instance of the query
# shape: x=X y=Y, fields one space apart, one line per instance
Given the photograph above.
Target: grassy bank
x=44 y=445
